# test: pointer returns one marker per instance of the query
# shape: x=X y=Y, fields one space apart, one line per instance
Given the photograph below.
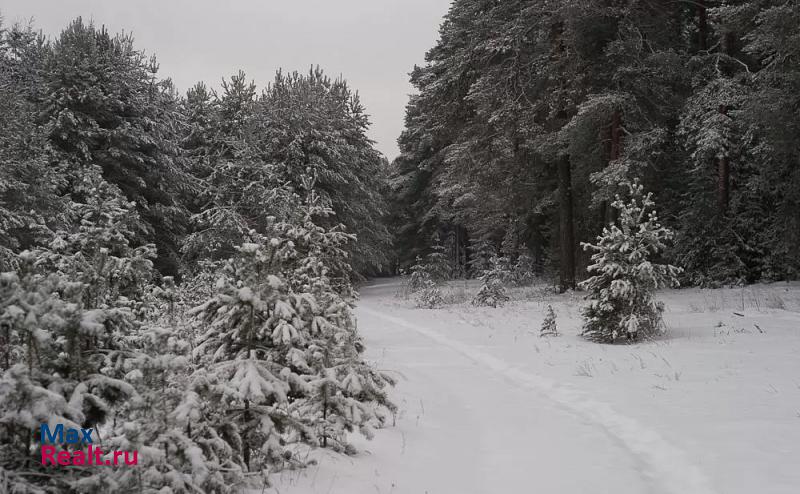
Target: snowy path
x=472 y=424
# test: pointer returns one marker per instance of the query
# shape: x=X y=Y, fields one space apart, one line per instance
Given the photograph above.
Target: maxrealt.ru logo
x=78 y=439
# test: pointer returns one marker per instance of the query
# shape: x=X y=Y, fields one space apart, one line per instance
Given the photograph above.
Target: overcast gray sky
x=372 y=43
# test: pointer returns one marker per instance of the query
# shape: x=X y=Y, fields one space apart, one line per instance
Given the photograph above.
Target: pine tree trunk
x=728 y=42
x=724 y=184
x=607 y=213
x=5 y=344
x=616 y=153
x=459 y=249
x=616 y=136
x=723 y=177
x=566 y=224
x=465 y=252
x=246 y=441
x=325 y=416
x=702 y=26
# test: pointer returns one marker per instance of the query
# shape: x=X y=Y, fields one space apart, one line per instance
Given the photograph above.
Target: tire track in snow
x=665 y=465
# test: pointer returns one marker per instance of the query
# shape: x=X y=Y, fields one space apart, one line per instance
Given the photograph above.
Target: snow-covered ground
x=487 y=406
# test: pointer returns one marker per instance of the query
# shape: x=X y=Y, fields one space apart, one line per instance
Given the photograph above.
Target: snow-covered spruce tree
x=419 y=276
x=422 y=284
x=549 y=327
x=430 y=295
x=492 y=292
x=481 y=253
x=427 y=276
x=621 y=292
x=437 y=262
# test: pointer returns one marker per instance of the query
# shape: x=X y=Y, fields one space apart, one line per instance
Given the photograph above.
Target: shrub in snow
x=492 y=292
x=523 y=270
x=430 y=296
x=625 y=277
x=419 y=276
x=549 y=327
x=425 y=279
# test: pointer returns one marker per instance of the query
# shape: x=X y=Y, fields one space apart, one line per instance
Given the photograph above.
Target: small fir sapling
x=549 y=327
x=492 y=292
x=625 y=275
x=438 y=262
x=419 y=276
x=430 y=296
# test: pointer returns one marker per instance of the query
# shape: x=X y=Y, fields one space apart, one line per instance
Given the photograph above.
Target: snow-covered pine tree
x=430 y=295
x=419 y=276
x=311 y=124
x=251 y=328
x=481 y=253
x=427 y=275
x=30 y=181
x=549 y=327
x=524 y=270
x=34 y=317
x=347 y=393
x=626 y=275
x=280 y=357
x=713 y=242
x=438 y=262
x=70 y=314
x=492 y=292
x=244 y=188
x=107 y=108
x=180 y=450
x=421 y=283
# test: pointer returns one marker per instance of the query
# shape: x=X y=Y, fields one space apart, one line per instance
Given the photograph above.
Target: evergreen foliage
x=530 y=116
x=430 y=295
x=492 y=292
x=480 y=258
x=71 y=312
x=176 y=271
x=171 y=275
x=549 y=327
x=626 y=273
